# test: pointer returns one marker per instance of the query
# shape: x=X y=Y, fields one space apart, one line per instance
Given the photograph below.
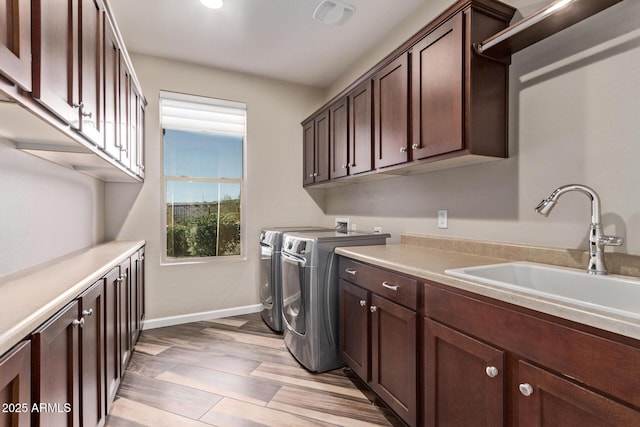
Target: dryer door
x=293 y=289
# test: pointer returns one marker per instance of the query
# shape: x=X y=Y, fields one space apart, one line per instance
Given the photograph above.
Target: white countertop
x=31 y=296
x=430 y=264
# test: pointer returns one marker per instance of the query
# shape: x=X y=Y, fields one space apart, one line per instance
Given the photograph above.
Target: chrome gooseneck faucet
x=597 y=240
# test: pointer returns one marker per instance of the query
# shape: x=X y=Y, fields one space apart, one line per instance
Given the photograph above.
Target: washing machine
x=310 y=294
x=270 y=286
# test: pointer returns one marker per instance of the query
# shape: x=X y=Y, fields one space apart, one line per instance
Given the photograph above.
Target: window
x=203 y=178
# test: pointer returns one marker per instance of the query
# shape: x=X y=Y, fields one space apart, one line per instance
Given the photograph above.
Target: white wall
x=574 y=111
x=46 y=211
x=274 y=194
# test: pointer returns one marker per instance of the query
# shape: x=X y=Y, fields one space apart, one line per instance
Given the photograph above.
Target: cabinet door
x=124 y=83
x=549 y=400
x=15 y=386
x=111 y=92
x=141 y=286
x=463 y=379
x=92 y=355
x=134 y=118
x=391 y=94
x=321 y=148
x=360 y=129
x=111 y=335
x=55 y=57
x=308 y=152
x=91 y=71
x=339 y=138
x=124 y=284
x=354 y=328
x=393 y=372
x=15 y=42
x=437 y=91
x=140 y=142
x=56 y=371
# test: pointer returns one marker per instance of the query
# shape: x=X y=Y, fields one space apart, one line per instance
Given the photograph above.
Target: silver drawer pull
x=373 y=309
x=350 y=271
x=388 y=286
x=77 y=322
x=362 y=303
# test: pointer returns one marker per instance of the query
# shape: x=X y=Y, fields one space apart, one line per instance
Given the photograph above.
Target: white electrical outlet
x=443 y=218
x=377 y=229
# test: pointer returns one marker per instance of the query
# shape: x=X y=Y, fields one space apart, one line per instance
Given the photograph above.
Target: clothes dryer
x=310 y=294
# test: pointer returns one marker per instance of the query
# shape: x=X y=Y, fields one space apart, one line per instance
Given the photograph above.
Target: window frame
x=164 y=179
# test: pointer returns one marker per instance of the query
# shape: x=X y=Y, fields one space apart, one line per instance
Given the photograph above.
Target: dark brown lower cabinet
x=489 y=363
x=56 y=370
x=124 y=309
x=70 y=370
x=548 y=400
x=111 y=335
x=378 y=333
x=15 y=386
x=465 y=379
x=393 y=356
x=354 y=321
x=92 y=355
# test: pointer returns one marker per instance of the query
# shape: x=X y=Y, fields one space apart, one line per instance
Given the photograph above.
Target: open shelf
x=553 y=18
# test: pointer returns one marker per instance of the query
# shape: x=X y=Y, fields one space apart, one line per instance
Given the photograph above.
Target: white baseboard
x=196 y=317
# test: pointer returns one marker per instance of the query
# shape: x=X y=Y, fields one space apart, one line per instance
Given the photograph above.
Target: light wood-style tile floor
x=235 y=372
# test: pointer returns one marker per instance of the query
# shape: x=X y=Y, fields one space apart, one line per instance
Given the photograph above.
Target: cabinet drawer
x=393 y=286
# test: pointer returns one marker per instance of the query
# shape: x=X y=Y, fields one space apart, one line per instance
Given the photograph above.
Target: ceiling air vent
x=333 y=12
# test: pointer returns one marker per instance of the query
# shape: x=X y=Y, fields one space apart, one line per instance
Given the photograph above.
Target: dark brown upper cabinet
x=360 y=129
x=316 y=149
x=91 y=42
x=339 y=138
x=55 y=57
x=111 y=70
x=437 y=97
x=433 y=99
x=15 y=42
x=391 y=99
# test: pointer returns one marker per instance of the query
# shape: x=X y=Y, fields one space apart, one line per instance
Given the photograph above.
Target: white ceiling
x=272 y=38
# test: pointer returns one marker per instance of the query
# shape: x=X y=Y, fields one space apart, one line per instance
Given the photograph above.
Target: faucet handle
x=611 y=240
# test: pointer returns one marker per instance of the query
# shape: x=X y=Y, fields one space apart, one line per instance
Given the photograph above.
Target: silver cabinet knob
x=345 y=166
x=350 y=271
x=403 y=149
x=362 y=303
x=415 y=146
x=88 y=312
x=373 y=309
x=310 y=175
x=78 y=322
x=525 y=389
x=491 y=371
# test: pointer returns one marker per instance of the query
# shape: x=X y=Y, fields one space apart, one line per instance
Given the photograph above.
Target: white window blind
x=200 y=114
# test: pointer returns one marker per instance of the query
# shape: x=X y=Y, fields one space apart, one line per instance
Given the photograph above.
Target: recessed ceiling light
x=333 y=12
x=212 y=4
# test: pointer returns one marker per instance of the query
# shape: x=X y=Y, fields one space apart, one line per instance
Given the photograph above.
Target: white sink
x=612 y=294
